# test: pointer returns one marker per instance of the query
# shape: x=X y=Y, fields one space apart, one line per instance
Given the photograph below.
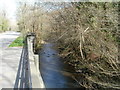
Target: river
x=55 y=73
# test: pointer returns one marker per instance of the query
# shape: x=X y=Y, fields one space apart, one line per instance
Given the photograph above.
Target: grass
x=18 y=42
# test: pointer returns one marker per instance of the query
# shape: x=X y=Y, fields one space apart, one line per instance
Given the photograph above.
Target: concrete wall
x=36 y=78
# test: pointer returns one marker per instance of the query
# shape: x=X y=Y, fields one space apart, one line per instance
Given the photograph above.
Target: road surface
x=9 y=59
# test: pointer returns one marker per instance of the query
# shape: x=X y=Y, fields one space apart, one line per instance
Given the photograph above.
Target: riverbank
x=94 y=73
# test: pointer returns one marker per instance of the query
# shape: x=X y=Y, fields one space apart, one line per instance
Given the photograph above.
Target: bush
x=87 y=33
x=18 y=42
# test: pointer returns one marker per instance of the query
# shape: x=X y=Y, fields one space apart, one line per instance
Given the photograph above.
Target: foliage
x=32 y=18
x=87 y=34
x=4 y=23
x=18 y=42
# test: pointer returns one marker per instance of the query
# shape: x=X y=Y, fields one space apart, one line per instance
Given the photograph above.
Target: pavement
x=9 y=59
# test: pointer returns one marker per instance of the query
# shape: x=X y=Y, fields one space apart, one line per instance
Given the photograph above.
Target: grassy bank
x=17 y=43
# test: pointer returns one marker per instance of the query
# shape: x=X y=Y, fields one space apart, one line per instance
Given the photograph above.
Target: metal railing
x=28 y=75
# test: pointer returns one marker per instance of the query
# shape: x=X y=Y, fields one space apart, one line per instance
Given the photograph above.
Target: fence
x=28 y=75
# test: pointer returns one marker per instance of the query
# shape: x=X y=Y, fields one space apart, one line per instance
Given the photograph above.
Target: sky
x=10 y=6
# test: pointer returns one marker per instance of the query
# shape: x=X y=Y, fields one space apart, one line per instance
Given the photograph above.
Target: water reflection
x=54 y=72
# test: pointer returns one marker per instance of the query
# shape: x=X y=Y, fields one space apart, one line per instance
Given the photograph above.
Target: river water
x=55 y=73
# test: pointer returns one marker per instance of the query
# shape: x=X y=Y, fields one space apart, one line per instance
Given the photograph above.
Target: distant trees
x=32 y=18
x=4 y=22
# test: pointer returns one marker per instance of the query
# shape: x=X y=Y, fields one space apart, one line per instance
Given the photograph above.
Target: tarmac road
x=9 y=59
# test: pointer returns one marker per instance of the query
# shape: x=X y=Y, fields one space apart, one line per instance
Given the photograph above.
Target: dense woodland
x=86 y=34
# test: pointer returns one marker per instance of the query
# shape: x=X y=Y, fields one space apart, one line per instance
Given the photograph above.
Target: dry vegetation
x=32 y=18
x=86 y=34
